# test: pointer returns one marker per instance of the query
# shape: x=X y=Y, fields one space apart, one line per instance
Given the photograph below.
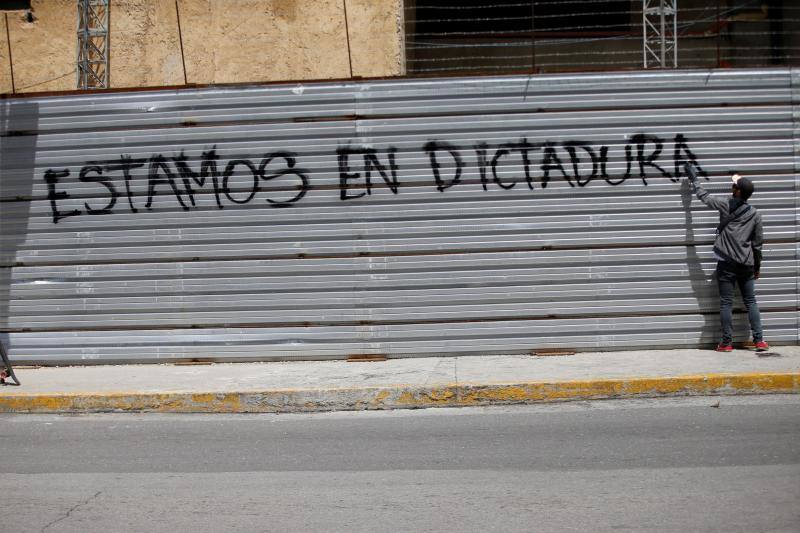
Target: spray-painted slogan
x=576 y=162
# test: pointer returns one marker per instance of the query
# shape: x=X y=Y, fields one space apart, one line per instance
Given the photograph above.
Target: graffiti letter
x=371 y=162
x=208 y=169
x=480 y=152
x=127 y=163
x=640 y=140
x=344 y=153
x=112 y=191
x=604 y=163
x=497 y=155
x=524 y=147
x=431 y=148
x=299 y=172
x=51 y=177
x=552 y=162
x=157 y=162
x=681 y=145
x=229 y=168
x=570 y=147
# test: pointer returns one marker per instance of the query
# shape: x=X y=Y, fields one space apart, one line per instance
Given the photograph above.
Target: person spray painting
x=737 y=248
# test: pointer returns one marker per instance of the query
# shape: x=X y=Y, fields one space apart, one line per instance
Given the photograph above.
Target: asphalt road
x=654 y=465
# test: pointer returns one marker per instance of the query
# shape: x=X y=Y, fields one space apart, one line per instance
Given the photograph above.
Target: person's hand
x=691 y=171
x=757 y=275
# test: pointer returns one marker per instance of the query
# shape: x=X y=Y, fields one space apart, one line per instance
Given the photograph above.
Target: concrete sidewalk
x=400 y=383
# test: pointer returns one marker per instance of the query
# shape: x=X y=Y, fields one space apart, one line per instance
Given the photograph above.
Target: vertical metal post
x=660 y=44
x=675 y=34
x=645 y=7
x=663 y=40
x=719 y=36
x=79 y=44
x=533 y=37
x=93 y=44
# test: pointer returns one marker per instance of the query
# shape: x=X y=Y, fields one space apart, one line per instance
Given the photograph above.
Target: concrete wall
x=372 y=56
x=264 y=40
x=144 y=44
x=223 y=42
x=43 y=52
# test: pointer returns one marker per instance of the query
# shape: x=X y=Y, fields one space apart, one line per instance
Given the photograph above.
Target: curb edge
x=402 y=396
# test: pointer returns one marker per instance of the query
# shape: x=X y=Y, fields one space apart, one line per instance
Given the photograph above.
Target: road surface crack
x=72 y=510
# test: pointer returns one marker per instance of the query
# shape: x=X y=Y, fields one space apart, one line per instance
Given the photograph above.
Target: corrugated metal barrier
x=401 y=217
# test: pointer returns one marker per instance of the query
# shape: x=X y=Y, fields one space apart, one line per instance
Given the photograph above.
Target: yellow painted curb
x=402 y=396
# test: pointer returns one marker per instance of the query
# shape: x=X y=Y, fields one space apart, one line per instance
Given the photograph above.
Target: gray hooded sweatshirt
x=741 y=239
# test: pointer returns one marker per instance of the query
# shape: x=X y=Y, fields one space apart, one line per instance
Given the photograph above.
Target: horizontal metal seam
x=267 y=325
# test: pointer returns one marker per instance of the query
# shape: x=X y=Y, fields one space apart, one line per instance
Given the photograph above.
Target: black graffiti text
x=241 y=180
x=371 y=164
x=174 y=176
x=576 y=162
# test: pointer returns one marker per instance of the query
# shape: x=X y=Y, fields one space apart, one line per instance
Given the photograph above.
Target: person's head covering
x=744 y=185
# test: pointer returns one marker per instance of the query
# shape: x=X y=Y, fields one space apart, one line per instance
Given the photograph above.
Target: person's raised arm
x=703 y=195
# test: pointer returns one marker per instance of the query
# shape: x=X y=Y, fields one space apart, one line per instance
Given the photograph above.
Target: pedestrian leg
x=747 y=284
x=726 y=282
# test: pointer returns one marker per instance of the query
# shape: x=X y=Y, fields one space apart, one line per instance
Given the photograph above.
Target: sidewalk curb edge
x=402 y=396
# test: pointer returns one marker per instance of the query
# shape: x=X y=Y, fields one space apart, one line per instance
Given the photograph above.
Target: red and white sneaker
x=761 y=346
x=724 y=347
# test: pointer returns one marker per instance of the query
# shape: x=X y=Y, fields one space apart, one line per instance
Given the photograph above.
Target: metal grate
x=462 y=37
x=406 y=217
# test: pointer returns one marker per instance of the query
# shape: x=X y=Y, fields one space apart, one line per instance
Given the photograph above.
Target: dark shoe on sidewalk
x=761 y=346
x=724 y=347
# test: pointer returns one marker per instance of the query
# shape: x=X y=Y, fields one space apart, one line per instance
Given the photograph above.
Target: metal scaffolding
x=93 y=44
x=660 y=33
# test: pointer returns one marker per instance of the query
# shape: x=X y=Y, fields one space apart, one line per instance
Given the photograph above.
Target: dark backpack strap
x=733 y=216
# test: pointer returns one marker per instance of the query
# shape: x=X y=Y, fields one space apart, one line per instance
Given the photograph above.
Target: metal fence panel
x=404 y=217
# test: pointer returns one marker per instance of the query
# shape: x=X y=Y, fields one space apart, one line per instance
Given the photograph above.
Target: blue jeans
x=728 y=276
